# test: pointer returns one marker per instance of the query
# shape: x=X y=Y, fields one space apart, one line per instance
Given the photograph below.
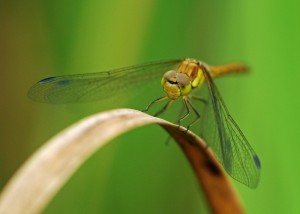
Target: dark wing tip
x=257 y=161
x=47 y=80
x=254 y=180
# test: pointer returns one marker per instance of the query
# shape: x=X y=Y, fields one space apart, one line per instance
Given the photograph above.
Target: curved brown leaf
x=35 y=184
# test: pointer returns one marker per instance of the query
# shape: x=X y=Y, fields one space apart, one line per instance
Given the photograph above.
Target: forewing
x=226 y=139
x=96 y=86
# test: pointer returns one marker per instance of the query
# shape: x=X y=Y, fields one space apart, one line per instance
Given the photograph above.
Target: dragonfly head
x=176 y=84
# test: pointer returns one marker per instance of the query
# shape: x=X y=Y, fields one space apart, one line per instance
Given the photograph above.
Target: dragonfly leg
x=187 y=111
x=205 y=102
x=168 y=140
x=164 y=108
x=197 y=115
x=155 y=101
x=198 y=98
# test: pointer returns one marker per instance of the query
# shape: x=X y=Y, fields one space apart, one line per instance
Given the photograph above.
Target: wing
x=96 y=86
x=226 y=139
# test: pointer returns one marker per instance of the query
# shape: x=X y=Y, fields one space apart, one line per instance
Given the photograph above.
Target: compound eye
x=170 y=76
x=184 y=84
x=183 y=80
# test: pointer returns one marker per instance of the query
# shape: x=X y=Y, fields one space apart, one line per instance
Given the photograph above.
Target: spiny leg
x=187 y=111
x=205 y=102
x=169 y=136
x=198 y=98
x=197 y=114
x=164 y=108
x=168 y=139
x=183 y=107
x=155 y=101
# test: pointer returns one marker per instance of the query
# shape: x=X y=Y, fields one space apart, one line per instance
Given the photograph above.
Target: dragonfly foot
x=145 y=110
x=178 y=126
x=186 y=131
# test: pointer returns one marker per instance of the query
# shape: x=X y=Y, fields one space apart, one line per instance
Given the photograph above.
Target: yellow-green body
x=189 y=75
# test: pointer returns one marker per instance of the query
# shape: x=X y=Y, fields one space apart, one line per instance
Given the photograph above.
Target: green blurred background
x=133 y=174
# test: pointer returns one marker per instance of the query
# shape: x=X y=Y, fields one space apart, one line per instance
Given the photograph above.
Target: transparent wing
x=96 y=86
x=226 y=139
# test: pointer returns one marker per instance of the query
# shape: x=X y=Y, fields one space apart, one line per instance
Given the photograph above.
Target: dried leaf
x=35 y=184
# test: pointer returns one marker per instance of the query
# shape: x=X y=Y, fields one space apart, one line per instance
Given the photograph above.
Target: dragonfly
x=186 y=79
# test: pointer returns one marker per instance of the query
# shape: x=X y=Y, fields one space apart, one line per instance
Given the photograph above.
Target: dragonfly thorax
x=176 y=84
